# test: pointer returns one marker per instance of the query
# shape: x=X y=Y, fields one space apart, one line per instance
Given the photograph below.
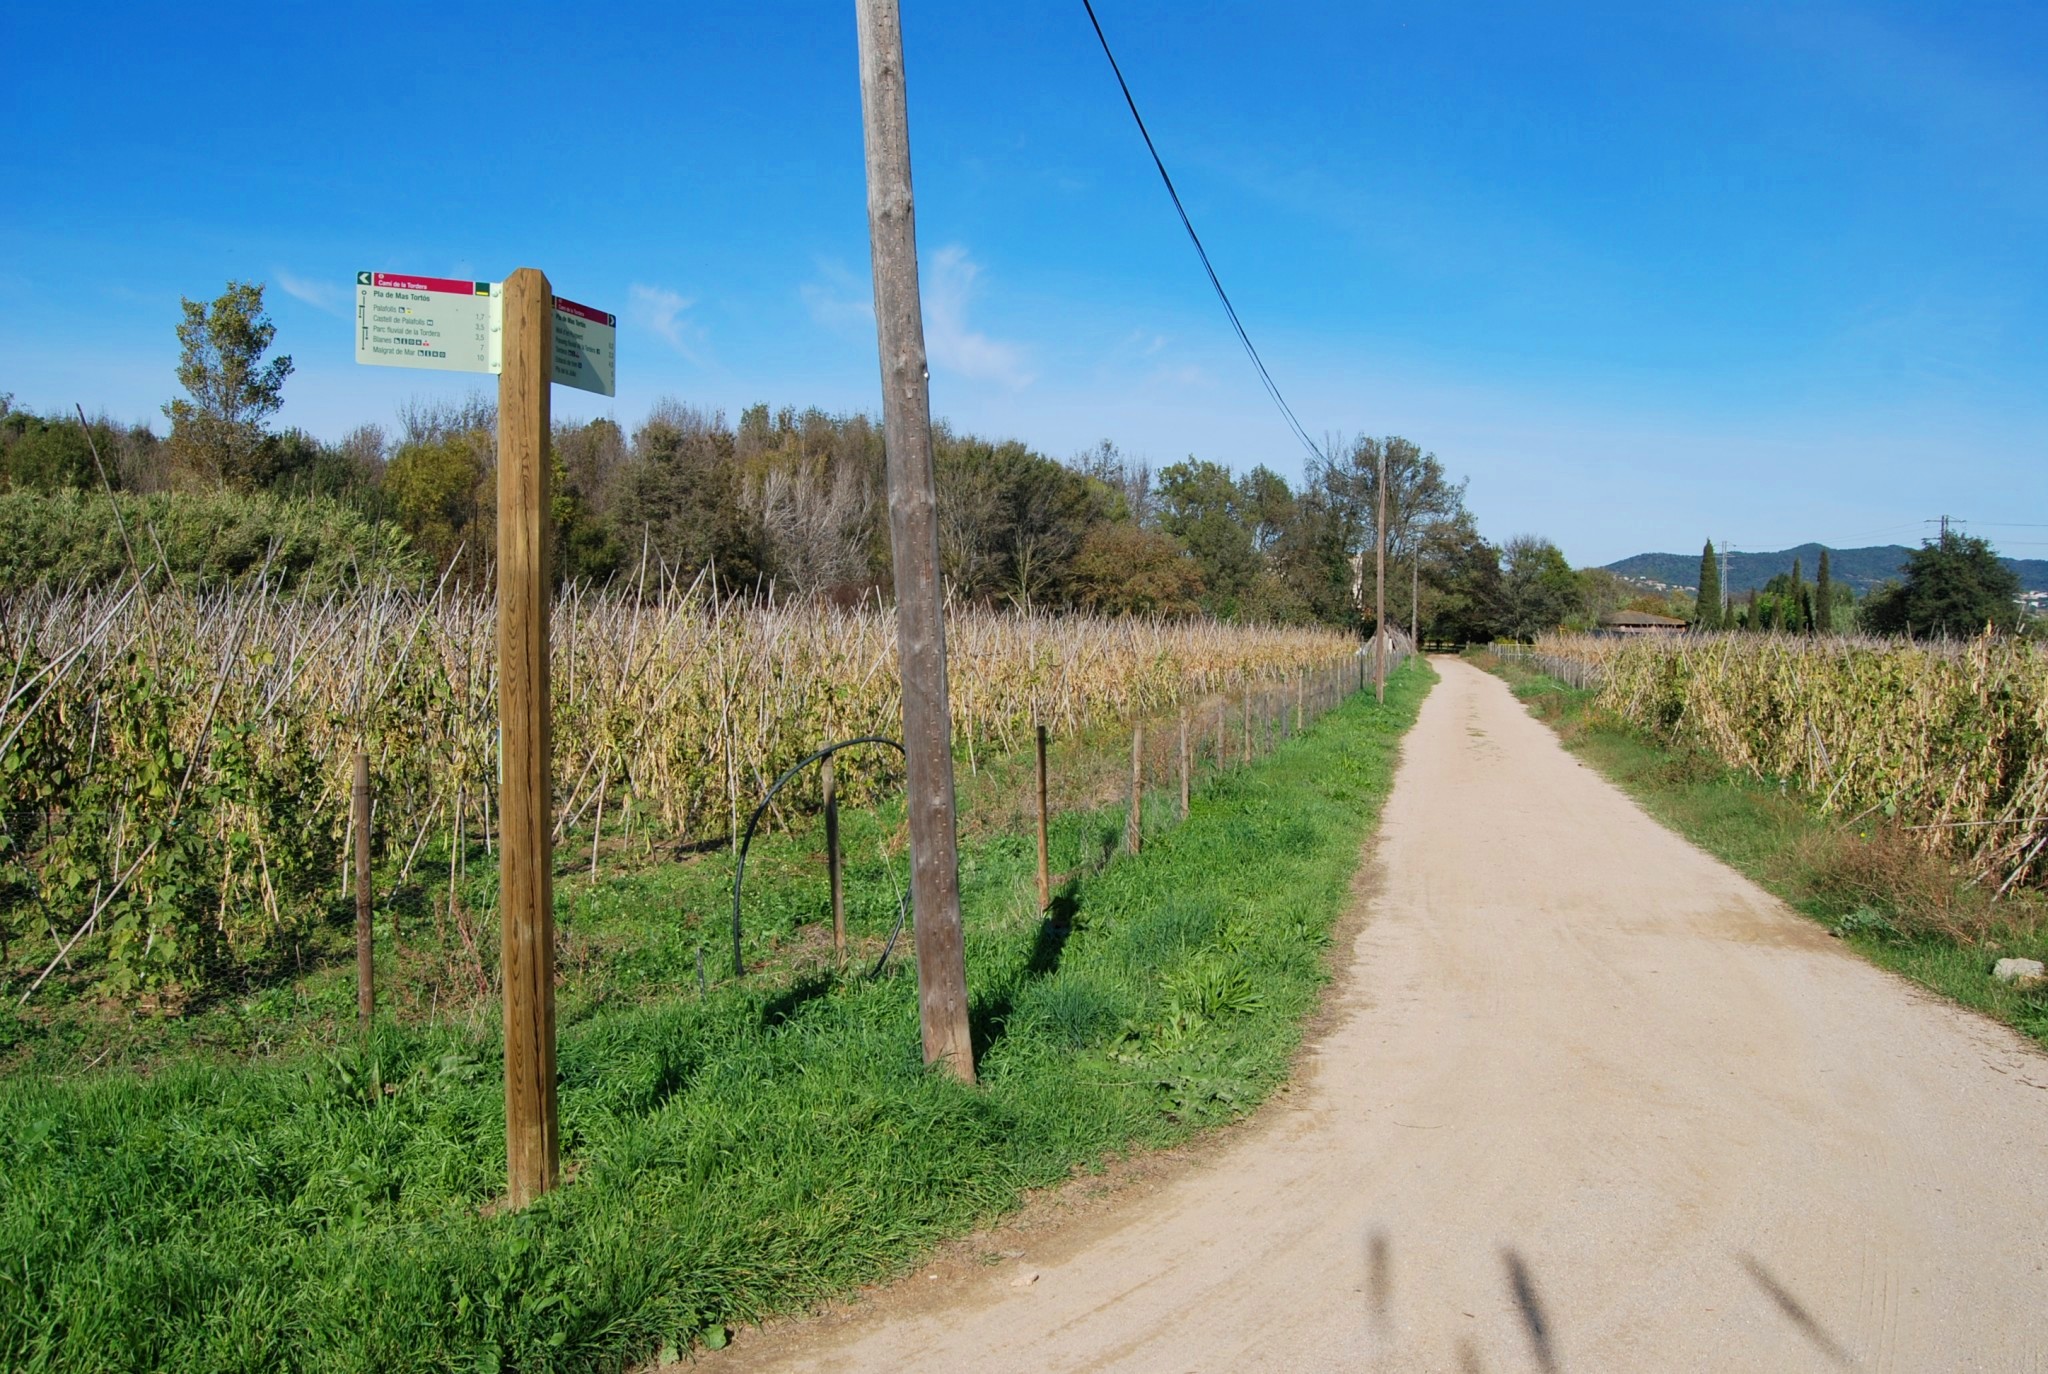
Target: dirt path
x=1590 y=1101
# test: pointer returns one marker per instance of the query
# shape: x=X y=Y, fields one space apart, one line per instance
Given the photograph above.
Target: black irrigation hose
x=740 y=870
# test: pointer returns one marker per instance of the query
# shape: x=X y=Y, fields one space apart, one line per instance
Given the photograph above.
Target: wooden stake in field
x=1245 y=715
x=1134 y=826
x=829 y=782
x=1044 y=831
x=1379 y=589
x=526 y=854
x=366 y=971
x=914 y=540
x=1415 y=597
x=1185 y=763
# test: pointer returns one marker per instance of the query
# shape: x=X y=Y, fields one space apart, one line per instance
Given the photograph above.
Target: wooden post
x=830 y=783
x=1134 y=826
x=1379 y=588
x=526 y=806
x=1300 y=700
x=366 y=971
x=1415 y=598
x=1044 y=835
x=914 y=543
x=1184 y=762
x=1245 y=715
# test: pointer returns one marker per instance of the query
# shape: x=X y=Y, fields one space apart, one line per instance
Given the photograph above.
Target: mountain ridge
x=1862 y=569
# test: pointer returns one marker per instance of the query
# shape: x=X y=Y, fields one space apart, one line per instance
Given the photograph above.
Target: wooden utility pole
x=1379 y=586
x=526 y=806
x=829 y=781
x=366 y=971
x=1044 y=828
x=914 y=543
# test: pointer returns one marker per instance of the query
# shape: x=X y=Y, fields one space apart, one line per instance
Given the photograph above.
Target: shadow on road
x=1795 y=1312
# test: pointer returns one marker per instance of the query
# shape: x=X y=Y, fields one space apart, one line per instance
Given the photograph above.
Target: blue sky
x=1645 y=274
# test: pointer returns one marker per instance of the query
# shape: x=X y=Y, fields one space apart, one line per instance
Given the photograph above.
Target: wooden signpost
x=532 y=339
x=914 y=544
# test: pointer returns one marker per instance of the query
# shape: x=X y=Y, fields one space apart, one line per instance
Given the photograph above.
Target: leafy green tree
x=1124 y=569
x=440 y=493
x=1539 y=590
x=682 y=496
x=1954 y=586
x=218 y=429
x=1201 y=504
x=1708 y=616
x=1468 y=604
x=1824 y=597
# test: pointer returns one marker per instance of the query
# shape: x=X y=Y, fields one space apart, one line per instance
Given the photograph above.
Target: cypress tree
x=1791 y=617
x=1823 y=598
x=1707 y=614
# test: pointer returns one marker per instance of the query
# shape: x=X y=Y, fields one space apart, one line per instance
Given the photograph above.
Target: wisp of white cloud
x=321 y=295
x=953 y=344
x=660 y=311
x=842 y=302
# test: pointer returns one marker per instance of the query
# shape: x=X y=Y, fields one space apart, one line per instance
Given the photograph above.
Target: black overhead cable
x=1201 y=252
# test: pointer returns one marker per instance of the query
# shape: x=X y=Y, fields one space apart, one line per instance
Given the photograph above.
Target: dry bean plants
x=174 y=769
x=1949 y=741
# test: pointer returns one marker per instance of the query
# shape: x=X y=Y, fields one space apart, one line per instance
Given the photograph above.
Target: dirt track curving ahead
x=1587 y=1100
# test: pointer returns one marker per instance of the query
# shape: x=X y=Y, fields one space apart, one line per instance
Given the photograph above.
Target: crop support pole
x=366 y=968
x=526 y=805
x=1044 y=828
x=1185 y=763
x=914 y=543
x=829 y=782
x=1134 y=826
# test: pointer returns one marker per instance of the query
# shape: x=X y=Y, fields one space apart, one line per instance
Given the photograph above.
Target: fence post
x=1245 y=715
x=1300 y=689
x=1135 y=826
x=829 y=779
x=1044 y=866
x=1184 y=769
x=366 y=972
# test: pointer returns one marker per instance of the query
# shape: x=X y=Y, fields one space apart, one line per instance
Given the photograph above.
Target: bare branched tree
x=815 y=521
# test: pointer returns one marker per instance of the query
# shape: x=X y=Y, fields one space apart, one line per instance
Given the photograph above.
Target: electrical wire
x=1236 y=324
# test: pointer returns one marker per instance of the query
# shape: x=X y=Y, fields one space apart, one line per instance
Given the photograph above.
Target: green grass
x=732 y=1153
x=1900 y=908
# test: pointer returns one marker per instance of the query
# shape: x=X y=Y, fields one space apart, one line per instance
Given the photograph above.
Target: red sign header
x=405 y=282
x=569 y=307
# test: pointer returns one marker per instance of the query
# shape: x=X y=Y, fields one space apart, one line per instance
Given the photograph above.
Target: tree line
x=1952 y=586
x=789 y=502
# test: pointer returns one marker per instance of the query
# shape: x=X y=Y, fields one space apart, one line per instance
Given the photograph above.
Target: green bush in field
x=73 y=538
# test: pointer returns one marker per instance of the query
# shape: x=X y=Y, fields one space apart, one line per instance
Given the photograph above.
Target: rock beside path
x=2019 y=971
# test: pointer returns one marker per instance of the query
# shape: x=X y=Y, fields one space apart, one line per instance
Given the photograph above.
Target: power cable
x=1236 y=324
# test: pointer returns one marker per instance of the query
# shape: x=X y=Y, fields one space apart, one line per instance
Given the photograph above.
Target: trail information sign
x=586 y=348
x=403 y=320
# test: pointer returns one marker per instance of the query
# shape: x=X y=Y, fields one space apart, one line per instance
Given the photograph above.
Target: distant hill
x=1860 y=568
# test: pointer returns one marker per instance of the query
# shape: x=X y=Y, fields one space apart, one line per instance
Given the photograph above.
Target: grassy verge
x=733 y=1152
x=1865 y=880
